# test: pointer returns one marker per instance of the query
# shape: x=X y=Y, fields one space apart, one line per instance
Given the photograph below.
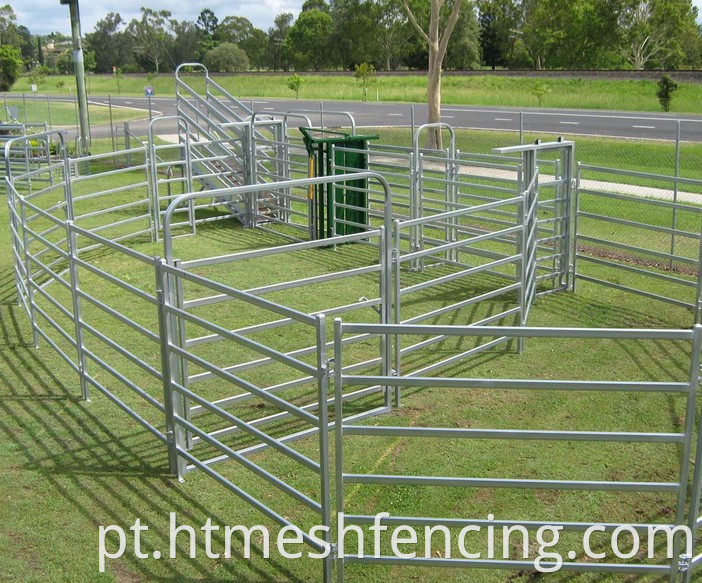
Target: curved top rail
x=418 y=131
x=283 y=114
x=193 y=66
x=28 y=137
x=255 y=188
x=323 y=112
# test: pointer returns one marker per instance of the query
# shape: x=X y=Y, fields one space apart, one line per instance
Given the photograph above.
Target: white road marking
x=269 y=108
x=503 y=119
x=395 y=114
x=644 y=127
x=128 y=102
x=447 y=117
x=569 y=123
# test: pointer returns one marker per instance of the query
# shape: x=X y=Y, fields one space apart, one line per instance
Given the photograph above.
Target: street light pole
x=79 y=66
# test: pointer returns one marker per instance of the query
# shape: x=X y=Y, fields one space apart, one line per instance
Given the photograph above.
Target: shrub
x=666 y=88
x=226 y=58
x=11 y=66
x=294 y=84
x=365 y=75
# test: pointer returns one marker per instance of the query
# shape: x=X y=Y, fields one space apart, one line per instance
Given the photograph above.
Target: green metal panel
x=353 y=193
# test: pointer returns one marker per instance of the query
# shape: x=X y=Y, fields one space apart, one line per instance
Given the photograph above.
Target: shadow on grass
x=97 y=473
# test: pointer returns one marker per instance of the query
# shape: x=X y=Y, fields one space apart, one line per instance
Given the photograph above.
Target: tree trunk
x=434 y=95
x=434 y=106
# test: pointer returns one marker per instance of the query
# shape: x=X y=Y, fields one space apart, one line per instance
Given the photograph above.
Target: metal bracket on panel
x=333 y=550
x=376 y=309
x=684 y=563
x=327 y=366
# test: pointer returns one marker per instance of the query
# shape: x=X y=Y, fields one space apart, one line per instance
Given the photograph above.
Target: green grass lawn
x=488 y=91
x=69 y=466
x=64 y=114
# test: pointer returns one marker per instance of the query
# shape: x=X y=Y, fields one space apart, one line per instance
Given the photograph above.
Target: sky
x=45 y=16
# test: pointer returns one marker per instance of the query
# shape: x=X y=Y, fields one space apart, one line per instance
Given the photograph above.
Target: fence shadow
x=98 y=474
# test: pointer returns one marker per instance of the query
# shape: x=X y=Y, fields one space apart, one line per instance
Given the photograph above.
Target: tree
x=187 y=40
x=437 y=41
x=295 y=84
x=10 y=66
x=8 y=26
x=207 y=22
x=666 y=88
x=539 y=90
x=659 y=33
x=27 y=47
x=151 y=38
x=277 y=34
x=239 y=30
x=355 y=31
x=309 y=40
x=391 y=33
x=365 y=75
x=594 y=36
x=112 y=46
x=503 y=20
x=490 y=42
x=315 y=5
x=463 y=52
x=545 y=28
x=226 y=58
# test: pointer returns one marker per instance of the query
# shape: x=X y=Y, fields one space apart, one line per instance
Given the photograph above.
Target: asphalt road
x=578 y=122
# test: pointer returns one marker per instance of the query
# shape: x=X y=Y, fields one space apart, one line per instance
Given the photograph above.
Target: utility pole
x=79 y=66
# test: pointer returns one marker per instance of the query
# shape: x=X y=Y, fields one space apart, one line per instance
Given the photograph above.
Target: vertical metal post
x=332 y=196
x=454 y=196
x=48 y=112
x=568 y=231
x=675 y=192
x=30 y=282
x=82 y=98
x=396 y=296
x=180 y=298
x=690 y=415
x=324 y=474
x=575 y=219
x=557 y=232
x=695 y=494
x=412 y=119
x=24 y=107
x=170 y=400
x=77 y=310
x=698 y=287
x=385 y=305
x=112 y=125
x=188 y=180
x=522 y=242
x=127 y=143
x=521 y=128
x=321 y=114
x=338 y=438
x=150 y=112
